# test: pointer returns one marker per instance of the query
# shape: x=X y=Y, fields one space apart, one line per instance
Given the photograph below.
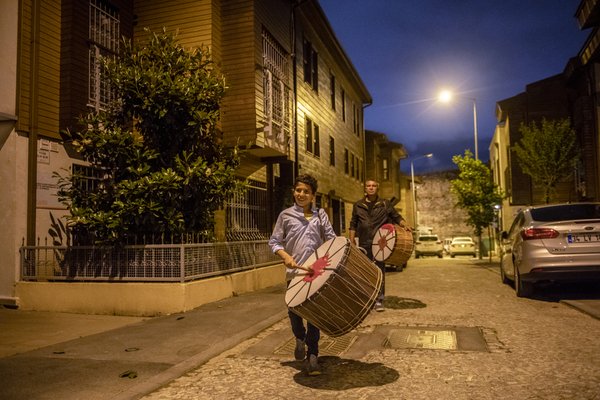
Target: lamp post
x=414 y=193
x=445 y=96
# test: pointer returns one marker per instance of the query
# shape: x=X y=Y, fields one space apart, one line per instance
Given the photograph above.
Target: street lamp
x=414 y=193
x=445 y=96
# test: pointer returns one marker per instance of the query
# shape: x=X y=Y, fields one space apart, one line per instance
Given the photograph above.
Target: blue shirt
x=298 y=236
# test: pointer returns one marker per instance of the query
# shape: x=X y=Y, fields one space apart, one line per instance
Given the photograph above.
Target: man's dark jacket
x=366 y=223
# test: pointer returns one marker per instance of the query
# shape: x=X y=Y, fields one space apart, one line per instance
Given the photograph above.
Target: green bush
x=160 y=165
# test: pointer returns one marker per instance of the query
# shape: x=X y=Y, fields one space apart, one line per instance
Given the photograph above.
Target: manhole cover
x=328 y=346
x=421 y=339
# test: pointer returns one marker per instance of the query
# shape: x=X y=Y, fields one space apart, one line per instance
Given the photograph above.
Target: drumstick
x=304 y=268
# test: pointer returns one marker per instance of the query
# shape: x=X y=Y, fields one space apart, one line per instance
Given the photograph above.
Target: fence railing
x=157 y=263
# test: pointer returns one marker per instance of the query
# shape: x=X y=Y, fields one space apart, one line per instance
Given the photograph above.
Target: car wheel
x=417 y=256
x=452 y=255
x=522 y=288
x=440 y=255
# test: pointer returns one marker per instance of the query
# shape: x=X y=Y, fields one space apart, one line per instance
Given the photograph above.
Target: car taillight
x=538 y=233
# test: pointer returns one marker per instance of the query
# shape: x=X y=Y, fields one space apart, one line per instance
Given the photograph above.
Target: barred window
x=86 y=178
x=277 y=98
x=104 y=33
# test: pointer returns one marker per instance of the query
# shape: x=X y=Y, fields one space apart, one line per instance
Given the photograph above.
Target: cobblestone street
x=505 y=348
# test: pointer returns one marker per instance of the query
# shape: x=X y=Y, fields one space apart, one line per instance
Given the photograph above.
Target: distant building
x=383 y=158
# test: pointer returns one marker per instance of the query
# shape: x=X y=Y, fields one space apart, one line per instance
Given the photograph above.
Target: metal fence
x=156 y=263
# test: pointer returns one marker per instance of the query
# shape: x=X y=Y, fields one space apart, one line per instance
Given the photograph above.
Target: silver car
x=558 y=242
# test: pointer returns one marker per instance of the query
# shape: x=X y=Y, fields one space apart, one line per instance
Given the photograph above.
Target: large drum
x=392 y=244
x=340 y=292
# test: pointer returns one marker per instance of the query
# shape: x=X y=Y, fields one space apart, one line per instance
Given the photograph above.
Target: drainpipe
x=33 y=124
x=295 y=4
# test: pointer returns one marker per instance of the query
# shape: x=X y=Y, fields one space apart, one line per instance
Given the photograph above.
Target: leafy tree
x=158 y=156
x=547 y=153
x=475 y=191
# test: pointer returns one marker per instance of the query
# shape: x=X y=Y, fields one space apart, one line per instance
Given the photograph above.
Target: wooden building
x=294 y=100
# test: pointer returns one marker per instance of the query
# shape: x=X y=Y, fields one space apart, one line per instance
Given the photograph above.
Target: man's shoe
x=300 y=350
x=313 y=366
x=379 y=307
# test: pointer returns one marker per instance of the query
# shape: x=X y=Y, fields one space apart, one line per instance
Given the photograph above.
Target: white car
x=558 y=242
x=429 y=245
x=462 y=245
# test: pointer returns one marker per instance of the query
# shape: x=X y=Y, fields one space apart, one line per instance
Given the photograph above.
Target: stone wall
x=436 y=206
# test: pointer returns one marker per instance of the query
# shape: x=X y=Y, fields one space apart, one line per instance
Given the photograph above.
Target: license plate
x=583 y=237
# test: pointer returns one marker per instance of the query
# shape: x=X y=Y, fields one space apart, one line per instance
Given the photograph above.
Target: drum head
x=384 y=242
x=324 y=261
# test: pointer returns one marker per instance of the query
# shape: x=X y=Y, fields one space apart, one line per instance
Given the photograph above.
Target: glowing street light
x=414 y=193
x=446 y=96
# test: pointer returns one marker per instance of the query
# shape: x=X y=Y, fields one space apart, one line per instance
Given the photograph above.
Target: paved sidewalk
x=71 y=356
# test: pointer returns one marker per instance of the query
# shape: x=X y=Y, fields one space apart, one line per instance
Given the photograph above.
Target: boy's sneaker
x=300 y=350
x=379 y=307
x=313 y=366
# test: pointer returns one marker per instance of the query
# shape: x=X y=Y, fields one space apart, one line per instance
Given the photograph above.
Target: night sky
x=407 y=51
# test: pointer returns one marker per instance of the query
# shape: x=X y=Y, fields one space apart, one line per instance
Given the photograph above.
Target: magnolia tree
x=159 y=163
x=475 y=192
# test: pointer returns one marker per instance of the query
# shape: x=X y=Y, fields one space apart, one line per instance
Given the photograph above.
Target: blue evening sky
x=406 y=51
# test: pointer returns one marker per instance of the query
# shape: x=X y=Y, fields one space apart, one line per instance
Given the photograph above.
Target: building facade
x=572 y=94
x=383 y=158
x=294 y=102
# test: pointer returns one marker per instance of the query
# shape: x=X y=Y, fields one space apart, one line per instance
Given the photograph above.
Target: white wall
x=13 y=160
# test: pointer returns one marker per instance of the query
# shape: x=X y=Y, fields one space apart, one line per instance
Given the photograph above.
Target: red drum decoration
x=393 y=244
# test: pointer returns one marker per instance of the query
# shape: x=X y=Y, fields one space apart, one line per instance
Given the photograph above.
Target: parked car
x=551 y=243
x=429 y=245
x=462 y=245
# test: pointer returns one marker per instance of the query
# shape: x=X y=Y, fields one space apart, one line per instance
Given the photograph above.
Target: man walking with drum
x=368 y=215
x=298 y=233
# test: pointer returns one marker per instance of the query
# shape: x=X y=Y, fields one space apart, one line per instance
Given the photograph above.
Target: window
x=86 y=178
x=346 y=162
x=104 y=34
x=352 y=165
x=331 y=151
x=312 y=138
x=332 y=91
x=311 y=66
x=354 y=121
x=357 y=120
x=343 y=105
x=385 y=169
x=277 y=98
